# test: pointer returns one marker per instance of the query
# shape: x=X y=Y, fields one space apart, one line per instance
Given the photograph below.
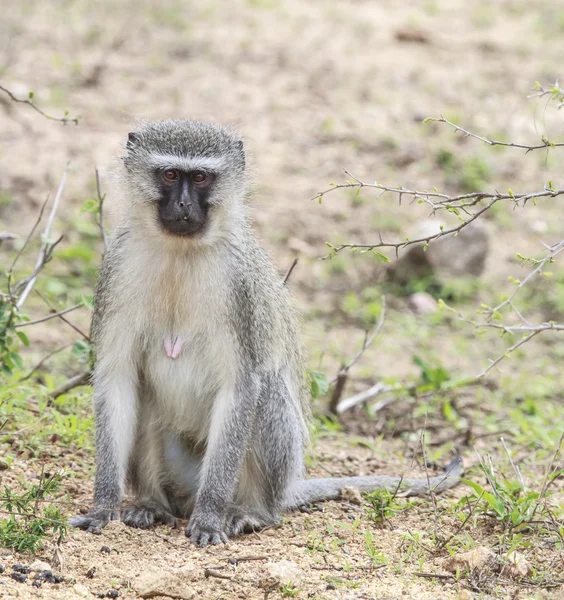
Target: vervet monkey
x=199 y=386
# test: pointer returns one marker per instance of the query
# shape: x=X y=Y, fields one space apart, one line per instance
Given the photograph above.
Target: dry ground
x=315 y=87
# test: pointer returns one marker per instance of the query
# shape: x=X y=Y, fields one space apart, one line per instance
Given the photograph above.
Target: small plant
x=383 y=505
x=289 y=590
x=376 y=556
x=30 y=520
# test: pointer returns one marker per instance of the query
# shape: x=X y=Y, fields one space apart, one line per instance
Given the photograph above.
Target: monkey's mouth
x=183 y=228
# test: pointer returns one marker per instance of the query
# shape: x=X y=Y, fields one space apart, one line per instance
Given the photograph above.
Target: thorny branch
x=468 y=208
x=29 y=101
x=437 y=201
x=546 y=143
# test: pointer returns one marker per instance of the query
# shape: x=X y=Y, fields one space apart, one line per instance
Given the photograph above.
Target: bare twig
x=341 y=377
x=71 y=325
x=51 y=316
x=73 y=382
x=528 y=147
x=30 y=102
x=371 y=392
x=47 y=246
x=289 y=272
x=101 y=198
x=44 y=360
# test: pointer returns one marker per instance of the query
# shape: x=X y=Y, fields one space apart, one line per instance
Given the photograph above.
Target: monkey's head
x=184 y=178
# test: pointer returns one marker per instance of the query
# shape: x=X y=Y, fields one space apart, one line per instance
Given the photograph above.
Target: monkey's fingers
x=95 y=520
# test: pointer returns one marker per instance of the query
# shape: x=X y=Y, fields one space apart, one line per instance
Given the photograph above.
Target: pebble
x=19 y=577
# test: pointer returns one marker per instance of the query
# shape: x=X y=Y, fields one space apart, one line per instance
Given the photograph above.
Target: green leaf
x=23 y=338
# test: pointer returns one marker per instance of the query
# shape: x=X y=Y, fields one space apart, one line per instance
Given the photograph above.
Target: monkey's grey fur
x=214 y=432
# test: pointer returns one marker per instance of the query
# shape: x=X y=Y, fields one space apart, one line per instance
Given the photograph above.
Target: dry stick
x=545 y=142
x=29 y=102
x=341 y=377
x=44 y=252
x=73 y=382
x=211 y=573
x=28 y=238
x=47 y=317
x=371 y=392
x=101 y=198
x=289 y=272
x=71 y=325
x=43 y=361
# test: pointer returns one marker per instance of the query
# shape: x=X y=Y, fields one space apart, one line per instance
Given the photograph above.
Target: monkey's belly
x=183 y=389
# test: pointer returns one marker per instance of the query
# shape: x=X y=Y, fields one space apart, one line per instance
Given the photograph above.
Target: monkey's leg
x=147 y=476
x=115 y=406
x=231 y=426
x=273 y=463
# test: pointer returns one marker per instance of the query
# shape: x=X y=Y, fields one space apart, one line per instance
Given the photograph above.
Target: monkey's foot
x=204 y=529
x=94 y=520
x=242 y=519
x=145 y=514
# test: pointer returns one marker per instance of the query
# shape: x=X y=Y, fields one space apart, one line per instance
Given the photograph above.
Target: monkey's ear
x=131 y=140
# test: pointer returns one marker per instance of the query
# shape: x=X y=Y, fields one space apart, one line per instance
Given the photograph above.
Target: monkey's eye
x=199 y=177
x=170 y=175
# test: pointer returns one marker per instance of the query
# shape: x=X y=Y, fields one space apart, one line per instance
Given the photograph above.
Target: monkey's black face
x=183 y=207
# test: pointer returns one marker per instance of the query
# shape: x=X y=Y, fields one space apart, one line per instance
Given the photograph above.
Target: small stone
x=36 y=584
x=285 y=572
x=481 y=559
x=19 y=577
x=105 y=549
x=330 y=586
x=171 y=584
x=81 y=590
x=519 y=566
x=112 y=594
x=39 y=566
x=91 y=572
x=4 y=466
x=57 y=578
x=422 y=303
x=351 y=495
x=1 y=568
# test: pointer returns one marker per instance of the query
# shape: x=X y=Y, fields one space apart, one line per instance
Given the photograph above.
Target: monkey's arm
x=115 y=395
x=230 y=430
x=115 y=406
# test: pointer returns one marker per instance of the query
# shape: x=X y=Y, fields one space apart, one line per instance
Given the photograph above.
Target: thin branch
x=73 y=382
x=341 y=377
x=71 y=325
x=101 y=198
x=528 y=147
x=289 y=272
x=371 y=392
x=507 y=352
x=43 y=361
x=30 y=102
x=46 y=247
x=47 y=317
x=437 y=201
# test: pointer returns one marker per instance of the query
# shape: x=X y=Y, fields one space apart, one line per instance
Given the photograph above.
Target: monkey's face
x=186 y=179
x=184 y=203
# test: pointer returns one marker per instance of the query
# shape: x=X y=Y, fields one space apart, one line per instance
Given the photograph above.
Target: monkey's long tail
x=306 y=491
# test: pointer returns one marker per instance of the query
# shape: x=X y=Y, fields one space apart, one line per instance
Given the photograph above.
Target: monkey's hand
x=95 y=519
x=206 y=527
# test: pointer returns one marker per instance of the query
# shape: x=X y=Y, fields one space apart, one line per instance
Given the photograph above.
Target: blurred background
x=315 y=88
